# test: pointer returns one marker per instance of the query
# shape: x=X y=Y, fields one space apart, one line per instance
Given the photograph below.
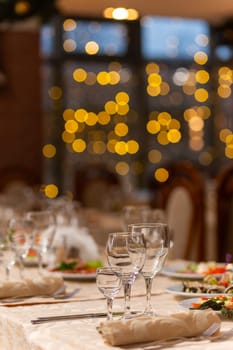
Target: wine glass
x=127 y=251
x=45 y=228
x=20 y=234
x=108 y=281
x=157 y=244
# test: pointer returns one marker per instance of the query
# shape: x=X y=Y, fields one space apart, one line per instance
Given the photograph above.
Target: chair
x=182 y=197
x=224 y=195
x=96 y=186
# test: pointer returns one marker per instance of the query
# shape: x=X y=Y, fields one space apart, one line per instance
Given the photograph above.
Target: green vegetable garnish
x=67 y=265
x=94 y=263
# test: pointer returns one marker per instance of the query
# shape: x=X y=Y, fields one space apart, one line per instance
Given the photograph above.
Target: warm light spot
x=200 y=57
x=152 y=68
x=123 y=109
x=79 y=75
x=161 y=174
x=229 y=152
x=99 y=147
x=91 y=78
x=164 y=118
x=229 y=139
x=68 y=114
x=91 y=119
x=201 y=95
x=153 y=90
x=223 y=134
x=21 y=7
x=81 y=115
x=111 y=145
x=108 y=12
x=164 y=88
x=121 y=148
x=121 y=129
x=202 y=76
x=174 y=136
x=122 y=168
x=111 y=107
x=132 y=14
x=204 y=112
x=205 y=158
x=189 y=88
x=162 y=138
x=174 y=124
x=68 y=137
x=154 y=156
x=71 y=126
x=153 y=127
x=103 y=78
x=91 y=48
x=103 y=118
x=120 y=13
x=196 y=123
x=189 y=113
x=133 y=146
x=69 y=45
x=49 y=151
x=154 y=79
x=224 y=91
x=51 y=191
x=114 y=78
x=196 y=144
x=69 y=25
x=79 y=145
x=122 y=98
x=55 y=92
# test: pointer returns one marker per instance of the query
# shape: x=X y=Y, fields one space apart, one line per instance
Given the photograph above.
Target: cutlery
x=74 y=316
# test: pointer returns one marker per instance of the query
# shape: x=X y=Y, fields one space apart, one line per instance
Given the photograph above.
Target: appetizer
x=205 y=268
x=221 y=303
x=78 y=266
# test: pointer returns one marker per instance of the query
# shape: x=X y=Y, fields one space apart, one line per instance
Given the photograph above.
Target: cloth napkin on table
x=143 y=329
x=40 y=285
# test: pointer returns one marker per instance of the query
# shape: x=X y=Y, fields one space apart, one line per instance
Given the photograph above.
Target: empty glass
x=127 y=251
x=45 y=228
x=109 y=283
x=157 y=244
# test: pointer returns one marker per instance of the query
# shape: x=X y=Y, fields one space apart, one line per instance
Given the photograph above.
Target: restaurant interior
x=112 y=112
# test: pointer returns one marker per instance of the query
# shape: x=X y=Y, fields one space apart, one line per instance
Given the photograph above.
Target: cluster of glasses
x=32 y=231
x=142 y=249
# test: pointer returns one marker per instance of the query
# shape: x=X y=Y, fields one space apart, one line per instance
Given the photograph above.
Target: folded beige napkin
x=143 y=329
x=39 y=285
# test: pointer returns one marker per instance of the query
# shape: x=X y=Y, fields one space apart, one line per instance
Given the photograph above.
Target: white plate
x=187 y=303
x=178 y=290
x=175 y=271
x=76 y=276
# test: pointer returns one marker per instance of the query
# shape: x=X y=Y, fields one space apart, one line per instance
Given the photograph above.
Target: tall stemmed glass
x=45 y=228
x=127 y=251
x=157 y=244
x=109 y=283
x=20 y=235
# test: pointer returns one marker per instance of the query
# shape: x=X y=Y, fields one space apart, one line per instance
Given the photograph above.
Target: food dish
x=181 y=271
x=177 y=289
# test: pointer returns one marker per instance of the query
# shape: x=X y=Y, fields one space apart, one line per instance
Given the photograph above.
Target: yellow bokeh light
x=103 y=78
x=111 y=107
x=229 y=139
x=133 y=146
x=174 y=136
x=200 y=57
x=162 y=138
x=122 y=168
x=174 y=124
x=79 y=145
x=103 y=118
x=111 y=145
x=229 y=152
x=90 y=79
x=120 y=13
x=123 y=109
x=68 y=137
x=99 y=147
x=121 y=129
x=122 y=98
x=223 y=134
x=69 y=24
x=153 y=126
x=224 y=91
x=79 y=75
x=91 y=119
x=153 y=90
x=196 y=124
x=121 y=148
x=91 y=48
x=161 y=174
x=152 y=68
x=68 y=114
x=71 y=126
x=201 y=95
x=22 y=7
x=202 y=76
x=132 y=14
x=196 y=143
x=51 y=191
x=164 y=118
x=49 y=150
x=164 y=88
x=81 y=115
x=154 y=156
x=114 y=78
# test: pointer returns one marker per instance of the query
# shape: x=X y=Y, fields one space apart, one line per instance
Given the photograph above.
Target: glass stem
x=127 y=295
x=109 y=308
x=148 y=309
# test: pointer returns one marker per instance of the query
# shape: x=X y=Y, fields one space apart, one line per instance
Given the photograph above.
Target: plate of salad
x=77 y=269
x=222 y=304
x=193 y=270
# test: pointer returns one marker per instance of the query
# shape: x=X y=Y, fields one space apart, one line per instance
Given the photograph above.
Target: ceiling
x=214 y=11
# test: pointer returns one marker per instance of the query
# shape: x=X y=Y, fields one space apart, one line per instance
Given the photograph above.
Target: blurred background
x=115 y=90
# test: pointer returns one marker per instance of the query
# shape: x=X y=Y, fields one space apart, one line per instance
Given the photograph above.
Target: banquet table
x=18 y=333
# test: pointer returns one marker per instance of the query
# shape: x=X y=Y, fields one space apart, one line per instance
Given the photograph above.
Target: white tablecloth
x=18 y=333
